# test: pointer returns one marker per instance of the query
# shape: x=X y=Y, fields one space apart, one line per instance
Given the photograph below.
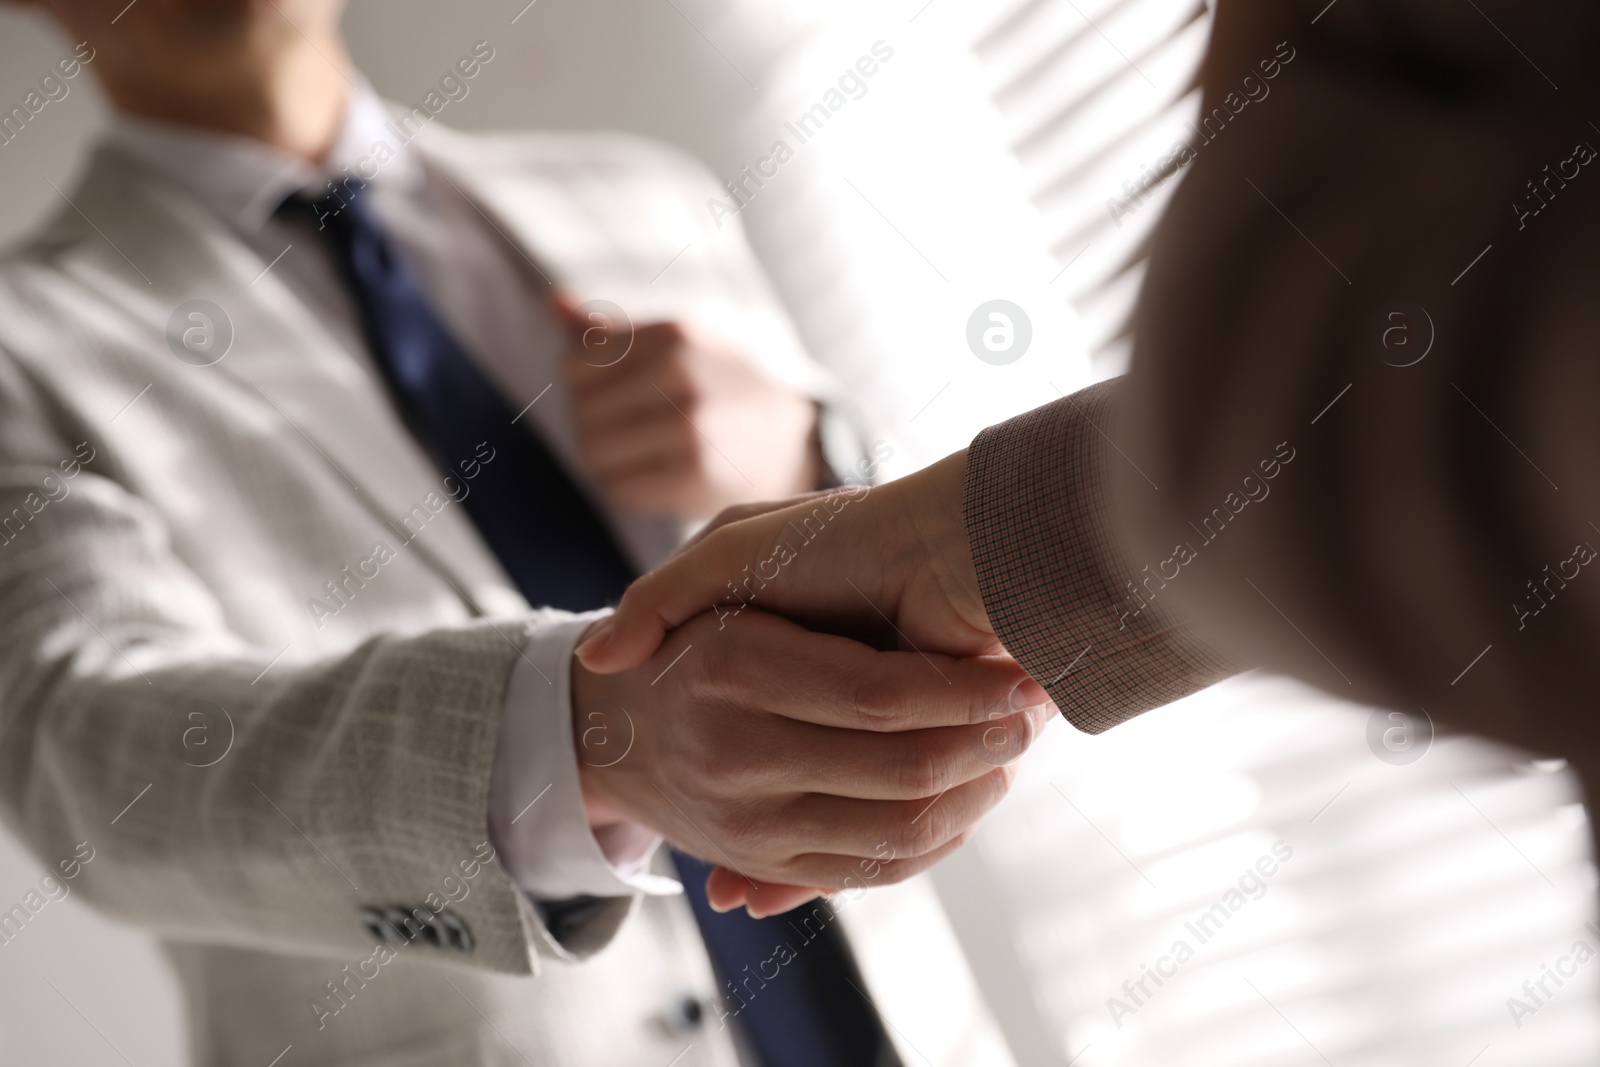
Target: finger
x=594 y=338
x=772 y=898
x=829 y=680
x=606 y=404
x=596 y=370
x=835 y=873
x=604 y=400
x=739 y=512
x=726 y=890
x=878 y=830
x=625 y=449
x=911 y=766
x=673 y=593
x=673 y=489
x=564 y=309
x=601 y=358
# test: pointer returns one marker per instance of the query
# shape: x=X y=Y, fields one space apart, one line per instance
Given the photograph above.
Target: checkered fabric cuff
x=1054 y=576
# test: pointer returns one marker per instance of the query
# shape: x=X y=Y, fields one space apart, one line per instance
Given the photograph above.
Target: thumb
x=696 y=580
x=564 y=308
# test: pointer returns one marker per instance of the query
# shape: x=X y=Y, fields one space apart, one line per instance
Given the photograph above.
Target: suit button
x=402 y=925
x=683 y=1014
x=456 y=933
x=373 y=921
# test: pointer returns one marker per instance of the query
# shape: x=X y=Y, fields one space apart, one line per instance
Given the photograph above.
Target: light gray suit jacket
x=163 y=526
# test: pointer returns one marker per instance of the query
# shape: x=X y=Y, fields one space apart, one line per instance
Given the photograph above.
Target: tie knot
x=340 y=209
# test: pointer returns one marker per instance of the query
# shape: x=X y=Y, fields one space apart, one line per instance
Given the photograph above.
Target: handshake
x=854 y=709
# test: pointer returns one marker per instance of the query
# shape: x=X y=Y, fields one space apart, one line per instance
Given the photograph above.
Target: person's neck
x=297 y=105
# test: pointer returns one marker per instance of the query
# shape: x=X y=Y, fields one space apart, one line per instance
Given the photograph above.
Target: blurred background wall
x=995 y=155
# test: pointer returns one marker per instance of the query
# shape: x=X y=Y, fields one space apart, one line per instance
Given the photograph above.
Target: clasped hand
x=794 y=758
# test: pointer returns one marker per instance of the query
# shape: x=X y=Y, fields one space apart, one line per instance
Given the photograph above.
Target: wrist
x=601 y=737
x=932 y=500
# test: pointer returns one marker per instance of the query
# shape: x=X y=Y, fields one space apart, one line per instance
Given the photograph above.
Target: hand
x=890 y=564
x=683 y=425
x=798 y=758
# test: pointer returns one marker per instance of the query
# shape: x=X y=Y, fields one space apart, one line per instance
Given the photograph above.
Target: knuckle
x=877 y=704
x=711 y=670
x=674 y=380
x=683 y=444
x=804 y=870
x=985 y=703
x=751 y=833
x=722 y=546
x=987 y=697
x=1001 y=780
x=744 y=773
x=920 y=837
x=705 y=767
x=896 y=871
x=924 y=771
x=674 y=334
x=725 y=674
x=668 y=396
x=1001 y=742
x=943 y=824
x=732 y=513
x=741 y=831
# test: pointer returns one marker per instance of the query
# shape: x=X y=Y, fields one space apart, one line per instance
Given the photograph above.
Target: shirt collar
x=244 y=180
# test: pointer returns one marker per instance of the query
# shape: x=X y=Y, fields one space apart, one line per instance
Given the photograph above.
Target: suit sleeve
x=1360 y=421
x=224 y=795
x=1056 y=576
x=1404 y=230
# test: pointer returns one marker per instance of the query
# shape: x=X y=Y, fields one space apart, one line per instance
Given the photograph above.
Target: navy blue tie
x=541 y=526
x=787 y=979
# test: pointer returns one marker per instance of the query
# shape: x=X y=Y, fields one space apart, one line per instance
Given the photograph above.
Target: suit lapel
x=288 y=362
x=585 y=231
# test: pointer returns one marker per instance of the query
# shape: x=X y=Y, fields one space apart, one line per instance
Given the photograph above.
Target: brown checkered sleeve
x=1054 y=574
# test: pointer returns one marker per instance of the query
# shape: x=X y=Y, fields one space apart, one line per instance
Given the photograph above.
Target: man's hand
x=890 y=564
x=683 y=425
x=800 y=758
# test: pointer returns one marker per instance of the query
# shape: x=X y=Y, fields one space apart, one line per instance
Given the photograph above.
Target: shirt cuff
x=537 y=818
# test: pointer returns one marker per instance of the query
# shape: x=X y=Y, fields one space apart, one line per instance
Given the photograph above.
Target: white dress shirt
x=480 y=288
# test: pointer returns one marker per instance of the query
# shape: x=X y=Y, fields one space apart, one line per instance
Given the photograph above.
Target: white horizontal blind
x=896 y=220
x=1405 y=903
x=1094 y=93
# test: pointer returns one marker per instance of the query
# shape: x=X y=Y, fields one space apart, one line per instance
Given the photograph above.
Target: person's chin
x=226 y=20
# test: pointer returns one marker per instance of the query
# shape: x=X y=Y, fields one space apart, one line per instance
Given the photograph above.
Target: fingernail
x=720 y=909
x=597 y=640
x=1029 y=694
x=1043 y=715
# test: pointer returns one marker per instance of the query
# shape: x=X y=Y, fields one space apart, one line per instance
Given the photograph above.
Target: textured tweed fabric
x=1054 y=578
